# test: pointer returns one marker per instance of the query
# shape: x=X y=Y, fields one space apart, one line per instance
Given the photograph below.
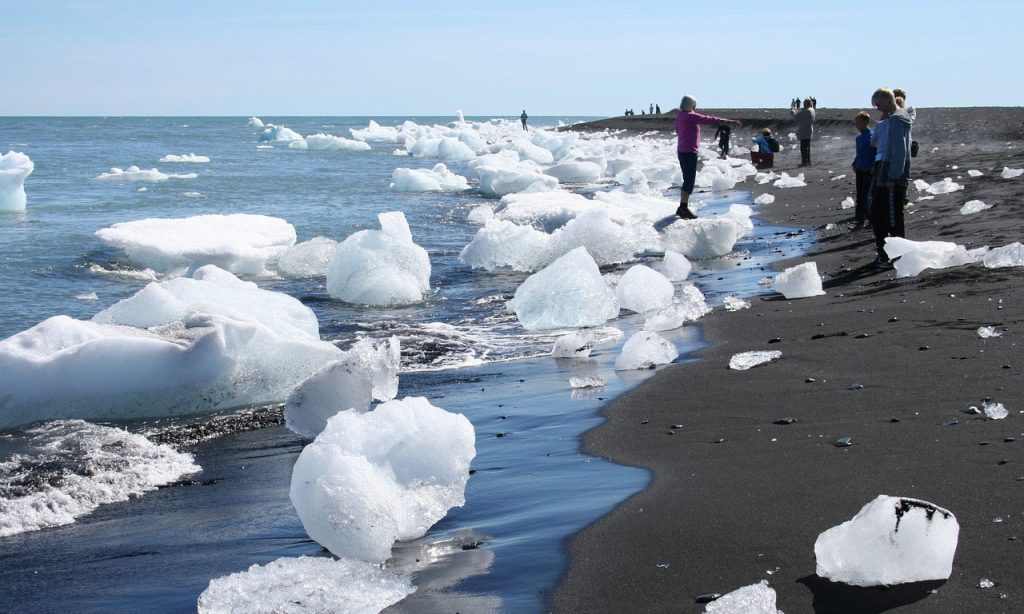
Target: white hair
x=688 y=103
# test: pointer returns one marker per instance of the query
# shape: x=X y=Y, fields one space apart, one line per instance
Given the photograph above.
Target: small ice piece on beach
x=753 y=599
x=675 y=266
x=912 y=257
x=994 y=411
x=568 y=293
x=790 y=182
x=975 y=173
x=838 y=177
x=189 y=157
x=735 y=303
x=986 y=332
x=437 y=179
x=703 y=237
x=586 y=382
x=945 y=186
x=800 y=281
x=749 y=360
x=380 y=267
x=644 y=350
x=986 y=583
x=688 y=306
x=372 y=478
x=575 y=171
x=1005 y=256
x=14 y=168
x=307 y=259
x=921 y=185
x=891 y=540
x=576 y=344
x=642 y=289
x=765 y=199
x=973 y=206
x=1010 y=173
x=306 y=585
x=848 y=203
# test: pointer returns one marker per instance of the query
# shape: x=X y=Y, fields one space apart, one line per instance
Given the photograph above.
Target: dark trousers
x=861 y=213
x=887 y=214
x=805 y=151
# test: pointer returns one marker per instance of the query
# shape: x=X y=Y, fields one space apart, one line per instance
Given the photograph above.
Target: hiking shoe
x=685 y=213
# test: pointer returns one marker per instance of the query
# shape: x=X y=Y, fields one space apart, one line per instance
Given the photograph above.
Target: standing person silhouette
x=522 y=118
x=688 y=130
x=804 y=130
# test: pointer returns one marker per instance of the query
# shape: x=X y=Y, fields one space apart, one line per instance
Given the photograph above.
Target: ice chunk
x=987 y=332
x=575 y=171
x=376 y=133
x=241 y=243
x=643 y=289
x=329 y=142
x=735 y=303
x=838 y=177
x=753 y=599
x=1010 y=173
x=799 y=281
x=790 y=182
x=372 y=478
x=644 y=350
x=973 y=206
x=586 y=382
x=444 y=148
x=765 y=199
x=437 y=179
x=703 y=237
x=945 y=186
x=916 y=256
x=891 y=540
x=573 y=345
x=480 y=214
x=504 y=244
x=975 y=173
x=568 y=293
x=134 y=173
x=256 y=122
x=994 y=411
x=497 y=182
x=741 y=214
x=279 y=133
x=847 y=203
x=380 y=267
x=1007 y=255
x=920 y=185
x=689 y=306
x=675 y=266
x=189 y=157
x=306 y=585
x=307 y=259
x=609 y=239
x=14 y=168
x=748 y=360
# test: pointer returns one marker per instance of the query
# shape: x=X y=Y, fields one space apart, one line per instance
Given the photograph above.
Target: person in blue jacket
x=892 y=172
x=863 y=163
x=764 y=157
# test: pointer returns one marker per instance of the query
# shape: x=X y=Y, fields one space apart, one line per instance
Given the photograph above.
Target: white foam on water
x=189 y=157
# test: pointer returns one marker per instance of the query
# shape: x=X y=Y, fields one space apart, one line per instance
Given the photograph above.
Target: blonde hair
x=883 y=94
x=688 y=103
x=767 y=132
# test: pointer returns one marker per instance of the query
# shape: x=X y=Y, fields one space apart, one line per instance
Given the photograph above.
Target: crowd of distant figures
x=652 y=109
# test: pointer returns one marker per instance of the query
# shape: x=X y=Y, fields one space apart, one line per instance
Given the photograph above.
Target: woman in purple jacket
x=688 y=130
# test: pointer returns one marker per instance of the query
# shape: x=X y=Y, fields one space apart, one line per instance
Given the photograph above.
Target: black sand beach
x=736 y=498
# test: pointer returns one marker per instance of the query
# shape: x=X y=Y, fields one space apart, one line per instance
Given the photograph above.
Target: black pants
x=805 y=152
x=861 y=213
x=887 y=214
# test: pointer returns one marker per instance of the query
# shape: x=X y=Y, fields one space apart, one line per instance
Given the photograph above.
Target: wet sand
x=736 y=498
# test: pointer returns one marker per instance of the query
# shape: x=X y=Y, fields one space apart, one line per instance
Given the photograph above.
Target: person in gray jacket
x=804 y=130
x=892 y=172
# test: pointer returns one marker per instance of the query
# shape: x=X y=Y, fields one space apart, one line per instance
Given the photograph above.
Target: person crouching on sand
x=863 y=162
x=688 y=130
x=892 y=172
x=764 y=157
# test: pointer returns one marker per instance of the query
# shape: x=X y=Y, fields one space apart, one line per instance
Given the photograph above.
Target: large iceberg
x=891 y=540
x=643 y=289
x=14 y=168
x=568 y=293
x=644 y=350
x=800 y=281
x=240 y=243
x=380 y=267
x=372 y=478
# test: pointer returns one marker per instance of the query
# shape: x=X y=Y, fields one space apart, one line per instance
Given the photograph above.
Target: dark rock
x=855 y=386
x=785 y=421
x=645 y=422
x=862 y=336
x=1002 y=462
x=818 y=336
x=844 y=442
x=894 y=319
x=774 y=340
x=1010 y=440
x=893 y=420
x=501 y=435
x=676 y=426
x=952 y=422
x=706 y=597
x=923 y=348
x=720 y=440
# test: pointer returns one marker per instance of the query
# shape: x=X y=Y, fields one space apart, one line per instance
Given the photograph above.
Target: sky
x=494 y=58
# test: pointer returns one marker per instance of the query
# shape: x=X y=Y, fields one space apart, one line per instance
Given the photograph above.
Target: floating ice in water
x=1010 y=173
x=503 y=244
x=328 y=142
x=765 y=199
x=994 y=411
x=609 y=239
x=442 y=148
x=586 y=382
x=848 y=203
x=748 y=360
x=279 y=133
x=986 y=332
x=372 y=478
x=753 y=599
x=573 y=345
x=134 y=173
x=480 y=214
x=87 y=296
x=241 y=243
x=916 y=256
x=376 y=133
x=975 y=173
x=688 y=306
x=945 y=186
x=437 y=179
x=644 y=350
x=643 y=289
x=703 y=237
x=568 y=293
x=675 y=266
x=790 y=182
x=256 y=122
x=83 y=466
x=307 y=259
x=547 y=211
x=735 y=303
x=497 y=182
x=575 y=171
x=189 y=157
x=306 y=585
x=14 y=168
x=799 y=281
x=380 y=267
x=973 y=206
x=891 y=540
x=1007 y=255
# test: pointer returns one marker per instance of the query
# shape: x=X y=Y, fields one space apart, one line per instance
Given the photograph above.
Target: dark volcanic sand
x=719 y=516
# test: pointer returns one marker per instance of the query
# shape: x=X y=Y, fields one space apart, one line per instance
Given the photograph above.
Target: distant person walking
x=804 y=130
x=863 y=163
x=657 y=109
x=523 y=118
x=722 y=133
x=651 y=110
x=892 y=171
x=688 y=130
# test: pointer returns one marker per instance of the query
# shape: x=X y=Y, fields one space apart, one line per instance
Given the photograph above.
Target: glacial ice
x=306 y=259
x=987 y=332
x=741 y=214
x=847 y=203
x=785 y=181
x=134 y=173
x=306 y=585
x=328 y=142
x=380 y=267
x=279 y=133
x=442 y=148
x=577 y=383
x=576 y=344
x=800 y=281
x=1007 y=255
x=1010 y=173
x=645 y=349
x=437 y=179
x=945 y=186
x=497 y=182
x=372 y=478
x=547 y=211
x=753 y=599
x=748 y=360
x=916 y=256
x=973 y=206
x=735 y=303
x=375 y=133
x=568 y=293
x=891 y=540
x=14 y=168
x=994 y=411
x=608 y=239
x=689 y=305
x=975 y=173
x=642 y=289
x=503 y=244
x=189 y=157
x=675 y=266
x=703 y=237
x=256 y=122
x=575 y=171
x=765 y=199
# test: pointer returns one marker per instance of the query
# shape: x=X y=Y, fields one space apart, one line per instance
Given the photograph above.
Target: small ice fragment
x=838 y=177
x=975 y=173
x=1010 y=173
x=87 y=296
x=1005 y=256
x=747 y=360
x=765 y=199
x=735 y=303
x=586 y=382
x=799 y=281
x=945 y=186
x=644 y=350
x=994 y=411
x=921 y=185
x=848 y=203
x=675 y=266
x=973 y=206
x=986 y=332
x=986 y=583
x=753 y=599
x=573 y=345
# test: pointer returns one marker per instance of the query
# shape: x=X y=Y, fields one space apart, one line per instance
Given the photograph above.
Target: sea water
x=531 y=487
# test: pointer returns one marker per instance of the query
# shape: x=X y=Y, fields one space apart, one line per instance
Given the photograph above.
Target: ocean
x=531 y=488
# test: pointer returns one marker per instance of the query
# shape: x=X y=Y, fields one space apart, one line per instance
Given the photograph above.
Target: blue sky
x=187 y=57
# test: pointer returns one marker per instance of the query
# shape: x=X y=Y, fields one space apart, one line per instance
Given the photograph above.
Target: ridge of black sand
x=736 y=499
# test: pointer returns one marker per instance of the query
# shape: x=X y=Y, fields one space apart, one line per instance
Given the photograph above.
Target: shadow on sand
x=839 y=598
